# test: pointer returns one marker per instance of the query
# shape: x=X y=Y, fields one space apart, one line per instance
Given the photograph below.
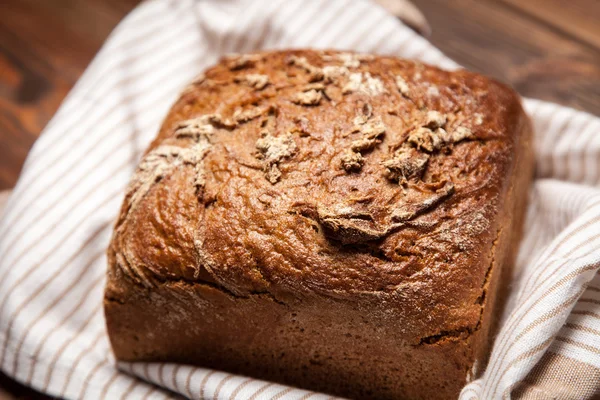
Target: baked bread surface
x=303 y=213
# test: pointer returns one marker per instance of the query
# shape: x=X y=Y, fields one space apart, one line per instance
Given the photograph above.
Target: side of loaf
x=335 y=221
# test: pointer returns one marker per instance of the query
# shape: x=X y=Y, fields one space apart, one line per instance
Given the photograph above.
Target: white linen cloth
x=56 y=227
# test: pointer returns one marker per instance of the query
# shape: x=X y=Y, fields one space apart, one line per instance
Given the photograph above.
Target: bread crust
x=308 y=211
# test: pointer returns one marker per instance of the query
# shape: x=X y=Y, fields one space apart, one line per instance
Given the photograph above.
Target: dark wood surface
x=548 y=49
x=44 y=47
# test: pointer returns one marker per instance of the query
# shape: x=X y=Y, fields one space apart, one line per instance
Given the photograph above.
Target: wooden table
x=549 y=49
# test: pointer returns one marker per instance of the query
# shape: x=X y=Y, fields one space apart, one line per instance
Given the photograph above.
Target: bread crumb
x=364 y=82
x=235 y=61
x=350 y=60
x=365 y=114
x=374 y=86
x=313 y=86
x=363 y=144
x=354 y=83
x=301 y=62
x=218 y=121
x=433 y=91
x=309 y=98
x=407 y=163
x=461 y=133
x=195 y=128
x=435 y=119
x=478 y=119
x=373 y=128
x=202 y=126
x=334 y=94
x=402 y=86
x=256 y=81
x=333 y=74
x=426 y=139
x=247 y=115
x=302 y=126
x=352 y=161
x=315 y=73
x=370 y=129
x=273 y=150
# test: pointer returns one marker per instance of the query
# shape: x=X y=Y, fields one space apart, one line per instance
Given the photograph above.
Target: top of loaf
x=323 y=173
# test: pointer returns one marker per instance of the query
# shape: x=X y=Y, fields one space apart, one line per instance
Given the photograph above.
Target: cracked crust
x=303 y=211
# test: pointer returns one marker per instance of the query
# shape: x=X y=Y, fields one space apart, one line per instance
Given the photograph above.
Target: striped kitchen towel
x=56 y=226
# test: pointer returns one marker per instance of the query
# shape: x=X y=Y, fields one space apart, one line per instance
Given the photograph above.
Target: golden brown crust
x=379 y=185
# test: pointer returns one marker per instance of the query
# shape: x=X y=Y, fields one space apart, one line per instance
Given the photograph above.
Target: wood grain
x=44 y=47
x=577 y=19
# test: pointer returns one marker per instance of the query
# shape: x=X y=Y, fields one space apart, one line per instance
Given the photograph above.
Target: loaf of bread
x=335 y=221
